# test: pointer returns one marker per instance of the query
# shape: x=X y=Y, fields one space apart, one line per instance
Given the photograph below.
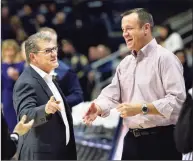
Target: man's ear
x=146 y=27
x=32 y=57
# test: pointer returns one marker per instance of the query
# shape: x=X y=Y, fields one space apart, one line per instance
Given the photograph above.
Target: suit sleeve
x=25 y=103
x=8 y=146
x=75 y=94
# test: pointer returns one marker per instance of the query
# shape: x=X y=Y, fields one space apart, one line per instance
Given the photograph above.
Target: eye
x=129 y=28
x=47 y=51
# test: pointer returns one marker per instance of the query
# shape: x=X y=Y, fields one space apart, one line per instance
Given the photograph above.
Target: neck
x=145 y=42
x=148 y=40
x=45 y=70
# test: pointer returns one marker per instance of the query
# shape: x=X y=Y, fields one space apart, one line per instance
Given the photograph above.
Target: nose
x=125 y=34
x=54 y=54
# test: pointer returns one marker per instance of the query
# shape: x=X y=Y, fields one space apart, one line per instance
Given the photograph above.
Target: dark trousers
x=158 y=146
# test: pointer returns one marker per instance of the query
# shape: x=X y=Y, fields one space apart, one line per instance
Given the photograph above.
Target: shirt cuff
x=15 y=137
x=163 y=108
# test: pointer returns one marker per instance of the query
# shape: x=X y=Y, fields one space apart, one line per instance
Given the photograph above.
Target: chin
x=56 y=65
x=130 y=47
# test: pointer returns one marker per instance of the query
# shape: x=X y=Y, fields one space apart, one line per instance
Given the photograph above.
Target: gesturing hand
x=52 y=106
x=91 y=114
x=22 y=128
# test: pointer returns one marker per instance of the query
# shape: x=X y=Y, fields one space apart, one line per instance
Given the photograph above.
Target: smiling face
x=133 y=33
x=46 y=57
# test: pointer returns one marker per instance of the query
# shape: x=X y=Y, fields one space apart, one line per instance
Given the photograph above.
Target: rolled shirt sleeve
x=174 y=86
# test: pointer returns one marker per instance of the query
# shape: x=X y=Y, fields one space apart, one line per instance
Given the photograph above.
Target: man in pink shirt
x=148 y=91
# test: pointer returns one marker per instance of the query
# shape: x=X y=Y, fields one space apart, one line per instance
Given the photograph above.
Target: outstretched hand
x=91 y=114
x=22 y=128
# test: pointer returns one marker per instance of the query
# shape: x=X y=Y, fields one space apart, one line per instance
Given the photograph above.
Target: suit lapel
x=61 y=93
x=41 y=82
x=64 y=99
x=44 y=86
x=49 y=93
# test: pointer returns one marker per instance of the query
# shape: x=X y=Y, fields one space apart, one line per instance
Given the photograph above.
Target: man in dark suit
x=40 y=98
x=65 y=76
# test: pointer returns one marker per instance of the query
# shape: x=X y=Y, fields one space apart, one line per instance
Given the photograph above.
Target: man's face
x=133 y=33
x=46 y=58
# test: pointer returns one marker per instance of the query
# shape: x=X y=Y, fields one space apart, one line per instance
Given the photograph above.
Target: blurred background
x=90 y=42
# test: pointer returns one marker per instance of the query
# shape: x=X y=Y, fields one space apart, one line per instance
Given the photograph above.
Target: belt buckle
x=136 y=133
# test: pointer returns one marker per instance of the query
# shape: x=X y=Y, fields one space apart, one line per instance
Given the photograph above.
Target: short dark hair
x=143 y=15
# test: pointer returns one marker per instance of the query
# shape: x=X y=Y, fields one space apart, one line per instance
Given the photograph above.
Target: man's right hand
x=92 y=113
x=52 y=106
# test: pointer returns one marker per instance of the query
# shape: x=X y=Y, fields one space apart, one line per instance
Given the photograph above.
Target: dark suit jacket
x=47 y=139
x=8 y=147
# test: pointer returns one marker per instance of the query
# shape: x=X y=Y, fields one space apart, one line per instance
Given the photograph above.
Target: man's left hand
x=126 y=109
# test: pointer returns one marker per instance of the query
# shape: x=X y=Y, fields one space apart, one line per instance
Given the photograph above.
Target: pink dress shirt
x=155 y=76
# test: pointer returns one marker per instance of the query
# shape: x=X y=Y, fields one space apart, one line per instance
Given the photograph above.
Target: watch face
x=145 y=109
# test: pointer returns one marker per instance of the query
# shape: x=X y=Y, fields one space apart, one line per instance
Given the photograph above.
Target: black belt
x=150 y=131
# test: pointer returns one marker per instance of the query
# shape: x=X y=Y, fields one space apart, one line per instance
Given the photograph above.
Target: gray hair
x=31 y=44
x=48 y=29
x=143 y=15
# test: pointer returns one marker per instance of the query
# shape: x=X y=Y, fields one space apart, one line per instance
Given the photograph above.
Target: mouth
x=129 y=40
x=54 y=60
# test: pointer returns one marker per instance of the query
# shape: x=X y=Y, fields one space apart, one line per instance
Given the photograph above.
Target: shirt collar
x=53 y=73
x=43 y=74
x=146 y=49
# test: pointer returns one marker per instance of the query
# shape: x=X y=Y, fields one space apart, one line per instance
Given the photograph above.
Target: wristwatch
x=144 y=109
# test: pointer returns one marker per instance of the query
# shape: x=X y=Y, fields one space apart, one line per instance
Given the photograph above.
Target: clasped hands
x=125 y=110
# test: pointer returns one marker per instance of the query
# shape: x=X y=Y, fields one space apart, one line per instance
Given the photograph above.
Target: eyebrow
x=127 y=26
x=49 y=48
